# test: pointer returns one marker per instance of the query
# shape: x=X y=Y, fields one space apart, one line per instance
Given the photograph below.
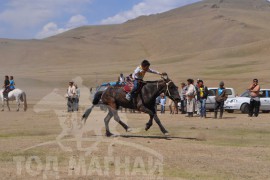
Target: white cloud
x=76 y=21
x=52 y=28
x=146 y=7
x=30 y=13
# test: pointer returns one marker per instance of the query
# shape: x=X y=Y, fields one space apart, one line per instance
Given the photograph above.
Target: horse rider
x=11 y=83
x=138 y=76
x=6 y=88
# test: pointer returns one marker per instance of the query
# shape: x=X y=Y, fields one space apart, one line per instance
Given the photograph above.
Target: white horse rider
x=17 y=95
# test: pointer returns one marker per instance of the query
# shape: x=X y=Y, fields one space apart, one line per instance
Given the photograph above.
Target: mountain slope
x=226 y=39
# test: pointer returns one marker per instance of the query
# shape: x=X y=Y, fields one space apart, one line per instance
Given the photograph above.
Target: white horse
x=17 y=95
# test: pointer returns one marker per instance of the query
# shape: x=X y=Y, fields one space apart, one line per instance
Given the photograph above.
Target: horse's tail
x=24 y=101
x=87 y=113
x=97 y=98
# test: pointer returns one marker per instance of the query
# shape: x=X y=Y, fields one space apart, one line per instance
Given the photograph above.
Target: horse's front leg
x=18 y=104
x=153 y=114
x=8 y=105
x=150 y=122
x=3 y=105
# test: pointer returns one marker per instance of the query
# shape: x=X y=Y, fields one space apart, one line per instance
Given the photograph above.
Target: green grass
x=24 y=134
x=193 y=175
x=7 y=156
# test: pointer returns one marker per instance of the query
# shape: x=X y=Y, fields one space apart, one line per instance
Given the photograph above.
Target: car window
x=262 y=94
x=228 y=91
x=245 y=94
x=212 y=92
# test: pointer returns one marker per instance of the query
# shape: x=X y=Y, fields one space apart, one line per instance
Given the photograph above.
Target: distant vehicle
x=242 y=102
x=210 y=102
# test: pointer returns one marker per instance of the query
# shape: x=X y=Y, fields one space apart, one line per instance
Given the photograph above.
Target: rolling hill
x=213 y=40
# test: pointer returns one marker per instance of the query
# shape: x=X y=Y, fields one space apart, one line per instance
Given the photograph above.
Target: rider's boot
x=5 y=95
x=128 y=96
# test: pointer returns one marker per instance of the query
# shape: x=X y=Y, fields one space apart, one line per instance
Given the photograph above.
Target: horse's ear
x=165 y=76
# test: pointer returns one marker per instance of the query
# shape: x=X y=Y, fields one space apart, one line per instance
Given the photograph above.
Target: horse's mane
x=154 y=81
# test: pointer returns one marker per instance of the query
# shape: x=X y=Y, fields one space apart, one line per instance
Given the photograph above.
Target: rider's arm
x=153 y=71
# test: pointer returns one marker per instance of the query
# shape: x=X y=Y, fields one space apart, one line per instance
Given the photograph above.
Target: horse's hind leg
x=106 y=121
x=117 y=119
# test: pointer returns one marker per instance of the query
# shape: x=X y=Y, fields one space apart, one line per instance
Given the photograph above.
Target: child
x=11 y=83
x=138 y=77
x=162 y=103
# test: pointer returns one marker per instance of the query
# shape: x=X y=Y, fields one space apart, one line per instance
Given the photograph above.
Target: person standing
x=122 y=79
x=255 y=103
x=202 y=95
x=77 y=98
x=190 y=94
x=6 y=88
x=183 y=97
x=11 y=83
x=162 y=103
x=173 y=107
x=71 y=95
x=220 y=98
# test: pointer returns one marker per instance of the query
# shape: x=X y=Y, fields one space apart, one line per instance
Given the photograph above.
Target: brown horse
x=144 y=101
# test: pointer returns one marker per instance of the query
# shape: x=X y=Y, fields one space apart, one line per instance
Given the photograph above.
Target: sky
x=37 y=19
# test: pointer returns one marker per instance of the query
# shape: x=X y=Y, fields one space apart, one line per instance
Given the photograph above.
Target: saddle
x=129 y=86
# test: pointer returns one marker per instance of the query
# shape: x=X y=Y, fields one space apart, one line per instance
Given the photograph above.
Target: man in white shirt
x=71 y=95
x=190 y=94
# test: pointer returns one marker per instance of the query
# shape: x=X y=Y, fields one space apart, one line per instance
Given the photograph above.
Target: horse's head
x=171 y=89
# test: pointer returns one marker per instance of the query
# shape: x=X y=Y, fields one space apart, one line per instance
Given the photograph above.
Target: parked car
x=243 y=101
x=210 y=102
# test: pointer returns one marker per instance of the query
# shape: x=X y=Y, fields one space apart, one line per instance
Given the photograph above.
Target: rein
x=167 y=89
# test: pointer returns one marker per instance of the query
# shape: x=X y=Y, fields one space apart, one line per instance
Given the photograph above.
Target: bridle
x=167 y=90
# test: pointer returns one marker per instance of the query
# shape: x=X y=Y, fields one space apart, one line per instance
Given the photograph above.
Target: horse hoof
x=109 y=134
x=129 y=129
x=147 y=127
x=167 y=134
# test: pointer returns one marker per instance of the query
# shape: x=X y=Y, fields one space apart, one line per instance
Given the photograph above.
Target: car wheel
x=230 y=111
x=265 y=111
x=245 y=108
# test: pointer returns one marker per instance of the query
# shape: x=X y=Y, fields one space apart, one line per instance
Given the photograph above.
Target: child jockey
x=138 y=77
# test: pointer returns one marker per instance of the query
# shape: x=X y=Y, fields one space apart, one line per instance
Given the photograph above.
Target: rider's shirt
x=11 y=86
x=6 y=83
x=139 y=72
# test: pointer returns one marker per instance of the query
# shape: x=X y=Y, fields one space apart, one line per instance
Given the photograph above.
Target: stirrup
x=128 y=96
